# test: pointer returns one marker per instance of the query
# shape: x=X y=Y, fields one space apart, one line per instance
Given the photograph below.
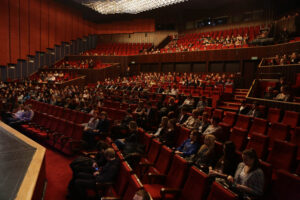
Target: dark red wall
x=27 y=26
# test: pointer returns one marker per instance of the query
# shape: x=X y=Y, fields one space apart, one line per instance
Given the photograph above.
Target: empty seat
x=286 y=186
x=278 y=131
x=291 y=118
x=296 y=140
x=228 y=119
x=174 y=178
x=260 y=144
x=259 y=126
x=283 y=155
x=273 y=115
x=218 y=192
x=239 y=138
x=218 y=113
x=162 y=164
x=196 y=186
x=242 y=122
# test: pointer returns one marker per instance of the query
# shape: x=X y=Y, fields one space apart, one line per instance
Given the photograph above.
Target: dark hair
x=251 y=153
x=229 y=149
x=102 y=145
x=217 y=120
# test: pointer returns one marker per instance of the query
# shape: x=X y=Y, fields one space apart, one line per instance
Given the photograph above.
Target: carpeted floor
x=58 y=175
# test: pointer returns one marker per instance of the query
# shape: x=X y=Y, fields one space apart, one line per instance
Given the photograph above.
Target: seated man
x=107 y=173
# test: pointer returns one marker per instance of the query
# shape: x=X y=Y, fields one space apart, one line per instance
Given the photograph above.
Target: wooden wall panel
x=4 y=32
x=24 y=28
x=14 y=32
x=52 y=26
x=44 y=24
x=27 y=26
x=34 y=26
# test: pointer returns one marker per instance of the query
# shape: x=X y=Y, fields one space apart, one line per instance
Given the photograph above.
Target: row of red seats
x=192 y=183
x=185 y=182
x=59 y=133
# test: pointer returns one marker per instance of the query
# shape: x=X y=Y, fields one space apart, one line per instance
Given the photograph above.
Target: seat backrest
x=267 y=169
x=218 y=113
x=164 y=159
x=239 y=138
x=260 y=144
x=154 y=150
x=77 y=133
x=196 y=186
x=182 y=135
x=283 y=155
x=242 y=122
x=218 y=192
x=258 y=126
x=177 y=172
x=291 y=118
x=123 y=178
x=273 y=115
x=286 y=186
x=68 y=129
x=278 y=131
x=146 y=140
x=229 y=118
x=134 y=185
x=296 y=139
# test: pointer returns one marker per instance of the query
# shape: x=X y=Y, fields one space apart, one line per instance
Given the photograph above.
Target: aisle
x=58 y=174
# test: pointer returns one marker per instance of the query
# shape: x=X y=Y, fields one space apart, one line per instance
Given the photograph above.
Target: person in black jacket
x=105 y=174
x=131 y=140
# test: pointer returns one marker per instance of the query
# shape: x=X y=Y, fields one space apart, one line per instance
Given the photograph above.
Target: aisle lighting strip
x=129 y=6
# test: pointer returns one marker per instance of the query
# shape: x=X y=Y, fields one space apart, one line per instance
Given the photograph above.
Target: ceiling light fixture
x=128 y=6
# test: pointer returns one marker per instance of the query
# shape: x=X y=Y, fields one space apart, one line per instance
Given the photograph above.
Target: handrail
x=252 y=86
x=273 y=101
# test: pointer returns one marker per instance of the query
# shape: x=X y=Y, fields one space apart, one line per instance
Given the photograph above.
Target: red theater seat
x=242 y=122
x=218 y=192
x=273 y=115
x=259 y=126
x=239 y=138
x=196 y=186
x=283 y=155
x=286 y=186
x=174 y=178
x=278 y=131
x=291 y=118
x=260 y=144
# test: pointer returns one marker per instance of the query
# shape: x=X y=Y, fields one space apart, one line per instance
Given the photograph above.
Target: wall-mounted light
x=11 y=66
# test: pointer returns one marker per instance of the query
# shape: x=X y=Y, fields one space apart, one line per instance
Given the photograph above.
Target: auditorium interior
x=150 y=100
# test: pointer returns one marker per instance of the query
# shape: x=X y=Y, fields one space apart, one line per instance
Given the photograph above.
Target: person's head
x=194 y=135
x=209 y=140
x=195 y=113
x=228 y=148
x=103 y=115
x=141 y=194
x=250 y=159
x=132 y=125
x=164 y=121
x=184 y=110
x=109 y=154
x=102 y=146
x=171 y=123
x=205 y=117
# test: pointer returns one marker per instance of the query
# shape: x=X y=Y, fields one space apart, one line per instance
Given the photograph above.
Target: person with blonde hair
x=205 y=156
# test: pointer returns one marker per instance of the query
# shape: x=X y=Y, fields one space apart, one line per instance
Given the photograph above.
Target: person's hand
x=96 y=173
x=178 y=152
x=95 y=165
x=230 y=179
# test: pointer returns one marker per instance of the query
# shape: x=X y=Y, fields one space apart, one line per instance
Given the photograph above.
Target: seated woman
x=283 y=95
x=162 y=126
x=248 y=180
x=192 y=122
x=189 y=146
x=90 y=129
x=214 y=128
x=227 y=164
x=206 y=154
x=168 y=135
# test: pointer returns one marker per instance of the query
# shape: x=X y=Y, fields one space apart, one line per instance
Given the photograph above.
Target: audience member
x=189 y=146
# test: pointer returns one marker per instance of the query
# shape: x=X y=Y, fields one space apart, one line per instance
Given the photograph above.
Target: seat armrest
x=110 y=198
x=157 y=178
x=165 y=191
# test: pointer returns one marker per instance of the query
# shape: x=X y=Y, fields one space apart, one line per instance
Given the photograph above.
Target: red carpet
x=58 y=175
